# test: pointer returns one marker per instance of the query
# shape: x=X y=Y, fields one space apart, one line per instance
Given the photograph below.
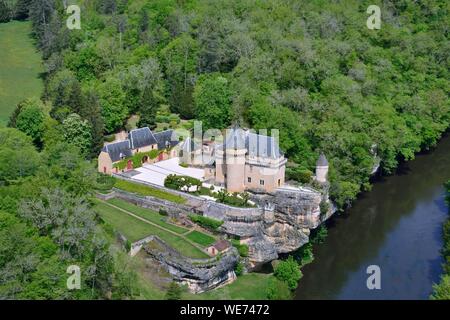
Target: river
x=397 y=226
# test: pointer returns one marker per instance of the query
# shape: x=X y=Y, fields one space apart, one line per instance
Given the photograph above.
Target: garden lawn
x=147 y=191
x=201 y=238
x=130 y=227
x=147 y=214
x=20 y=66
x=250 y=286
x=135 y=229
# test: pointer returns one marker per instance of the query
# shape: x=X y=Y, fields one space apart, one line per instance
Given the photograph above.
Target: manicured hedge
x=137 y=159
x=206 y=222
x=181 y=183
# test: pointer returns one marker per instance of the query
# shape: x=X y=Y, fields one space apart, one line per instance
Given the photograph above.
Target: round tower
x=322 y=169
x=235 y=152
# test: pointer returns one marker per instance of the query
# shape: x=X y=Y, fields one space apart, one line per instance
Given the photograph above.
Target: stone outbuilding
x=141 y=140
x=219 y=247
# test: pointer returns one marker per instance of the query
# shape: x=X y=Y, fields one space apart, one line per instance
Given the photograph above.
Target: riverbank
x=397 y=225
x=441 y=291
x=20 y=66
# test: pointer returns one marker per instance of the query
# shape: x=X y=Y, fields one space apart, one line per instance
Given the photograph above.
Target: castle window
x=249 y=179
x=261 y=182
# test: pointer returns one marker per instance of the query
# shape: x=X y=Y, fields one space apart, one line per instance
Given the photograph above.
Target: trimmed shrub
x=182 y=183
x=206 y=222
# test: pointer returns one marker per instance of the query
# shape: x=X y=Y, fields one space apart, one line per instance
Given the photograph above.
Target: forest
x=311 y=69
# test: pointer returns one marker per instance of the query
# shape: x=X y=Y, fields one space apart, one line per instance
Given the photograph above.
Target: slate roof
x=141 y=138
x=262 y=146
x=322 y=161
x=164 y=137
x=221 y=245
x=256 y=144
x=189 y=145
x=118 y=150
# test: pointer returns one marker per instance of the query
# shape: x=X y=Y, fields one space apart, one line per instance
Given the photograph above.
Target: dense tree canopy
x=212 y=97
x=313 y=71
x=310 y=69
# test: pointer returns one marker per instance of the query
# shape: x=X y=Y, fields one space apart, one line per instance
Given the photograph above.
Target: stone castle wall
x=280 y=224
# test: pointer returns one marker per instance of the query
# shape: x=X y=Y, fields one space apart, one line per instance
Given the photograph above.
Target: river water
x=397 y=226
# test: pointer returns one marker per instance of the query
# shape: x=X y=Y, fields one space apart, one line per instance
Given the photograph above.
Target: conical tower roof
x=322 y=161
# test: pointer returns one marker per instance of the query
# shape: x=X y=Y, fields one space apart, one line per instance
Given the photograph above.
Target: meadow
x=20 y=67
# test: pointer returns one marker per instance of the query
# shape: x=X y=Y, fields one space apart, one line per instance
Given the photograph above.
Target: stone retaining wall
x=280 y=224
x=198 y=274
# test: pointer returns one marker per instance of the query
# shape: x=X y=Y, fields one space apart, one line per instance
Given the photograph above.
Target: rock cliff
x=280 y=223
x=198 y=274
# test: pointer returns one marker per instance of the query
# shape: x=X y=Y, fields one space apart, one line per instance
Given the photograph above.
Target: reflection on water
x=397 y=226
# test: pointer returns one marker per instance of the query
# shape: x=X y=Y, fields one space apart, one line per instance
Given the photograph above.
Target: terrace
x=136 y=223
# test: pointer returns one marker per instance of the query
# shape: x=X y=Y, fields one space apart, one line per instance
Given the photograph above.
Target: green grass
x=148 y=191
x=201 y=238
x=148 y=214
x=20 y=66
x=135 y=229
x=131 y=228
x=250 y=286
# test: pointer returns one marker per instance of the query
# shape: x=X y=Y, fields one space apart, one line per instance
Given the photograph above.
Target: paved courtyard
x=157 y=173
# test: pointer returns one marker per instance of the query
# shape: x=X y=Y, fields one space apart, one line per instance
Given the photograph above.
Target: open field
x=20 y=66
x=147 y=214
x=135 y=229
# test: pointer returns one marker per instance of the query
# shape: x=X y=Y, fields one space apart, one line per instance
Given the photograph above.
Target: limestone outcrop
x=280 y=223
x=198 y=274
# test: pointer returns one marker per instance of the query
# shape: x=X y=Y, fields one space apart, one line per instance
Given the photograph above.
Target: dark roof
x=164 y=137
x=189 y=145
x=221 y=245
x=322 y=161
x=262 y=146
x=118 y=150
x=256 y=144
x=141 y=138
x=235 y=139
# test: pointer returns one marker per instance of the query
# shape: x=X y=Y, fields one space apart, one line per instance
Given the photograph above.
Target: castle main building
x=247 y=160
